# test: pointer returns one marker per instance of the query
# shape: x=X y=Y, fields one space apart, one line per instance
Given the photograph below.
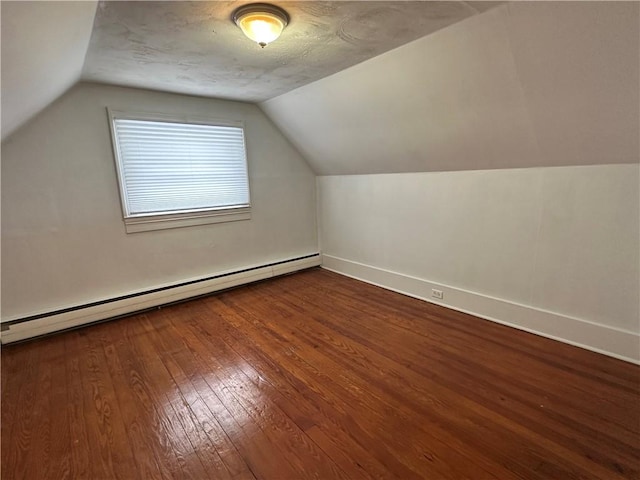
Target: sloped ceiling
x=193 y=47
x=521 y=84
x=43 y=50
x=526 y=84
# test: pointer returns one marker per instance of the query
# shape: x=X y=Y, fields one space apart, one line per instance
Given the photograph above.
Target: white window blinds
x=168 y=168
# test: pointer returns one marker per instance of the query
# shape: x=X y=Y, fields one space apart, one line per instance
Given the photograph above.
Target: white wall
x=525 y=84
x=561 y=242
x=63 y=238
x=530 y=111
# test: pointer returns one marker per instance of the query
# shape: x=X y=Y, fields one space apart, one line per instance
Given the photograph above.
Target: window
x=179 y=172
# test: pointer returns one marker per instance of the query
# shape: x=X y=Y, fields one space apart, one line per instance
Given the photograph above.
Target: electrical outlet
x=437 y=293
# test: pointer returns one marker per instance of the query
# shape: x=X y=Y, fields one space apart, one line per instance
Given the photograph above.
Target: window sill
x=162 y=222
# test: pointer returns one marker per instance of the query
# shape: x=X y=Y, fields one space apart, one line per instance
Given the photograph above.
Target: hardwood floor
x=314 y=375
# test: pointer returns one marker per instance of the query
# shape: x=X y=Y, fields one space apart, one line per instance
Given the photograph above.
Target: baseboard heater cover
x=16 y=329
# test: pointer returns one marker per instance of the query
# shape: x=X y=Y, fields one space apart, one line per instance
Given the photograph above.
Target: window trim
x=143 y=222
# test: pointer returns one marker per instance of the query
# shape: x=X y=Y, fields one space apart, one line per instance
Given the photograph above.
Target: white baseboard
x=24 y=328
x=615 y=342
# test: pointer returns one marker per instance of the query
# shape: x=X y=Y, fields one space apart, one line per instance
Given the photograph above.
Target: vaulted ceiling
x=362 y=86
x=526 y=84
x=43 y=50
x=194 y=48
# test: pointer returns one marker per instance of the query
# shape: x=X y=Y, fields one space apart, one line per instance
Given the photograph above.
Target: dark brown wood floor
x=314 y=375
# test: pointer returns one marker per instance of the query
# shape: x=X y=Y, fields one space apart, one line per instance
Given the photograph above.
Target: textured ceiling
x=194 y=48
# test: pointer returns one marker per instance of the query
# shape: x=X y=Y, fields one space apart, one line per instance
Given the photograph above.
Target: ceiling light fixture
x=261 y=22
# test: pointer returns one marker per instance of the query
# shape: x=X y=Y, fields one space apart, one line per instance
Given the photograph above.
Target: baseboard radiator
x=17 y=329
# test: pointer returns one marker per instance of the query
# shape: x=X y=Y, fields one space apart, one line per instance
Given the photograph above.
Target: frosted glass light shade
x=261 y=22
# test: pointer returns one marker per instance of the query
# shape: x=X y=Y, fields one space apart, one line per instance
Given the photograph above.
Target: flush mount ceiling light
x=261 y=22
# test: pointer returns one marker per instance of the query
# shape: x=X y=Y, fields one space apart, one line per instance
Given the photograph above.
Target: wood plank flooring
x=314 y=375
